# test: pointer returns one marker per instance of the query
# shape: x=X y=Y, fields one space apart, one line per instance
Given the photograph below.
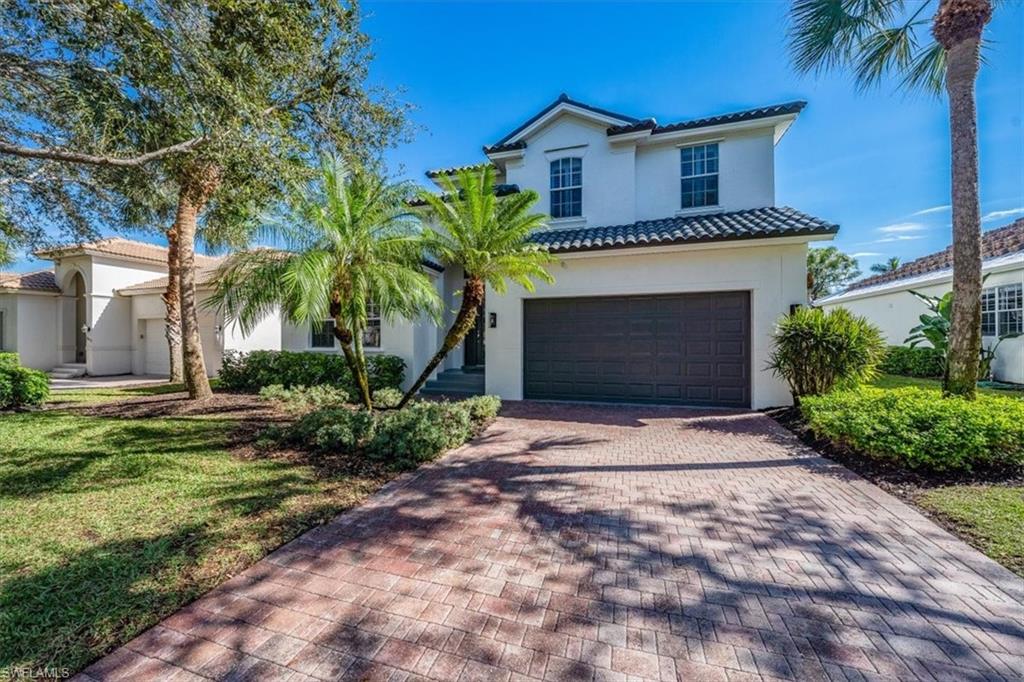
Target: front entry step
x=455 y=383
x=69 y=370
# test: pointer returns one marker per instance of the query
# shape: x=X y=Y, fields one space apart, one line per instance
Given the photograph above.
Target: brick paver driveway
x=603 y=543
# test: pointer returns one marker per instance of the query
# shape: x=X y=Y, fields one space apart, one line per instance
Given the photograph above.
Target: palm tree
x=487 y=236
x=349 y=239
x=881 y=37
x=888 y=266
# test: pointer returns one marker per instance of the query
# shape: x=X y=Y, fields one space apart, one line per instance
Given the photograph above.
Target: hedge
x=250 y=372
x=399 y=438
x=917 y=428
x=21 y=386
x=921 y=361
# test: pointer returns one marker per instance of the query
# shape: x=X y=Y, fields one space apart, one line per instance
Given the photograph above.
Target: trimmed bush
x=418 y=433
x=917 y=428
x=250 y=372
x=300 y=398
x=817 y=350
x=387 y=398
x=921 y=361
x=401 y=438
x=21 y=386
x=482 y=409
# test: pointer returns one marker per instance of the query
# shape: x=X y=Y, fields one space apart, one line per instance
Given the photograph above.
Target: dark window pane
x=323 y=334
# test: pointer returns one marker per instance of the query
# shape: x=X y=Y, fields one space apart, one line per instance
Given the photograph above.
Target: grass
x=991 y=516
x=894 y=381
x=88 y=396
x=111 y=524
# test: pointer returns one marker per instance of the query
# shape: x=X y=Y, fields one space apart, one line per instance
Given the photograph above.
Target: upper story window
x=699 y=175
x=322 y=334
x=567 y=188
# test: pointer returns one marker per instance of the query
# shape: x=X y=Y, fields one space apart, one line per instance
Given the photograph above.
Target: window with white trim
x=988 y=312
x=567 y=187
x=322 y=334
x=699 y=175
x=1009 y=301
x=371 y=335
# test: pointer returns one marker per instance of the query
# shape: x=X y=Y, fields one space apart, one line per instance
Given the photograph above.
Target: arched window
x=567 y=187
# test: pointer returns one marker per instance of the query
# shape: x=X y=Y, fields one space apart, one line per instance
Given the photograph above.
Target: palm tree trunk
x=958 y=26
x=472 y=298
x=172 y=303
x=356 y=364
x=197 y=185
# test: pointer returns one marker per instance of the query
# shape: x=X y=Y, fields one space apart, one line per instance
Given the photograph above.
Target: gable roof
x=41 y=280
x=629 y=124
x=118 y=247
x=508 y=142
x=1004 y=241
x=757 y=223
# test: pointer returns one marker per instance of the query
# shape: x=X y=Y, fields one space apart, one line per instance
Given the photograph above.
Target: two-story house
x=674 y=265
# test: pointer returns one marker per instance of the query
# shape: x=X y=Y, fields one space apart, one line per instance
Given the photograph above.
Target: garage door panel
x=678 y=348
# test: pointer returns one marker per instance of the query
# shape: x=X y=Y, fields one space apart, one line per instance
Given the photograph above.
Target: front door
x=473 y=345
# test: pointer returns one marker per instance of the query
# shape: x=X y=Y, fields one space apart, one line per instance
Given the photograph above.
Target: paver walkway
x=603 y=543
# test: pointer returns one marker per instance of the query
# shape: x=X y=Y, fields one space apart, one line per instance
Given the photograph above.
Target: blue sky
x=876 y=162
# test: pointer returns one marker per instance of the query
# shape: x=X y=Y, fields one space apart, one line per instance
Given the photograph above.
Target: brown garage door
x=685 y=349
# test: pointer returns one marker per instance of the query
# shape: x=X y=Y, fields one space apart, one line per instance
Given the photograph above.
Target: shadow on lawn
x=811 y=579
x=113 y=453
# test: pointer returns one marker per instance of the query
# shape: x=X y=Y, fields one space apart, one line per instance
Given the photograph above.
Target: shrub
x=330 y=430
x=817 y=350
x=418 y=433
x=21 y=386
x=387 y=398
x=303 y=398
x=920 y=361
x=249 y=372
x=482 y=409
x=919 y=429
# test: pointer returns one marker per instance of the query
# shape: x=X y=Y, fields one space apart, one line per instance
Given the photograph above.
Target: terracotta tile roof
x=120 y=247
x=454 y=170
x=1003 y=241
x=204 y=276
x=734 y=117
x=42 y=280
x=758 y=223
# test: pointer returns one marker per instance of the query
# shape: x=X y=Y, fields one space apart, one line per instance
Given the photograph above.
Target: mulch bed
x=236 y=406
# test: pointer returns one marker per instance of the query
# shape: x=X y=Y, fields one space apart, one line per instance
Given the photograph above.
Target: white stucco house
x=674 y=265
x=885 y=299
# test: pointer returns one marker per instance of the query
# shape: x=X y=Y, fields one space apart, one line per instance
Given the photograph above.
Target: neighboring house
x=885 y=299
x=674 y=265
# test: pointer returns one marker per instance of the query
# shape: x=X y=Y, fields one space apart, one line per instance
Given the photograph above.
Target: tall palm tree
x=881 y=37
x=349 y=239
x=888 y=266
x=487 y=236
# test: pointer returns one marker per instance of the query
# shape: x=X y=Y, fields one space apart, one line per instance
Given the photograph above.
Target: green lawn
x=991 y=516
x=893 y=381
x=111 y=524
x=83 y=396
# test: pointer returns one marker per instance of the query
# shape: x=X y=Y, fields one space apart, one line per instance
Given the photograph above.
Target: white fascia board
x=722 y=129
x=635 y=250
x=14 y=291
x=1013 y=261
x=562 y=108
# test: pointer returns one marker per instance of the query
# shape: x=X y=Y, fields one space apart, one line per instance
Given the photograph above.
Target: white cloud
x=901 y=228
x=865 y=254
x=898 y=238
x=933 y=209
x=996 y=215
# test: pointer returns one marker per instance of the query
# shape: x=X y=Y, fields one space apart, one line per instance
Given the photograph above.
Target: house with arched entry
x=674 y=263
